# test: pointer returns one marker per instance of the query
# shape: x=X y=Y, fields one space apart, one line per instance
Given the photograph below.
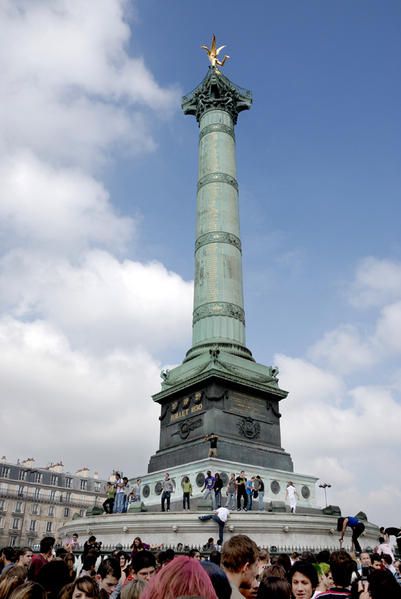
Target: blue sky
x=324 y=77
x=98 y=171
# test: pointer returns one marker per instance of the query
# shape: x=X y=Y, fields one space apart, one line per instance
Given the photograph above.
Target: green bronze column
x=218 y=316
x=219 y=387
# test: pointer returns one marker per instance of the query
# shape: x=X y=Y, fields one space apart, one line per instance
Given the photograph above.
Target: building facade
x=36 y=501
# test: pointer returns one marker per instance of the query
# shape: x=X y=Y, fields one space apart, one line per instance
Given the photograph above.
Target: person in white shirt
x=120 y=495
x=220 y=516
x=292 y=495
x=384 y=548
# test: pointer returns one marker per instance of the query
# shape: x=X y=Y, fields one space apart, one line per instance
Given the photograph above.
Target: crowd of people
x=238 y=569
x=119 y=495
x=237 y=493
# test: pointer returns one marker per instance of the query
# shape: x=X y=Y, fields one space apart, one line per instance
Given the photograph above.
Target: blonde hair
x=12 y=579
x=134 y=589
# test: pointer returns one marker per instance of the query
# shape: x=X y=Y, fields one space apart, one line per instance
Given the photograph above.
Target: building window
x=54 y=480
x=22 y=474
x=68 y=482
x=1 y=505
x=1 y=521
x=97 y=487
x=36 y=494
x=48 y=526
x=32 y=526
x=68 y=497
x=51 y=510
x=18 y=507
x=66 y=512
x=21 y=490
x=37 y=477
x=5 y=471
x=84 y=485
x=52 y=495
x=13 y=541
x=82 y=512
x=35 y=509
x=16 y=522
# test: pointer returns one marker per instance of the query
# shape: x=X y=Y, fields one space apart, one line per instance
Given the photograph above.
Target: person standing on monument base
x=218 y=485
x=108 y=504
x=259 y=492
x=136 y=491
x=240 y=482
x=292 y=496
x=208 y=486
x=230 y=492
x=249 y=492
x=186 y=492
x=167 y=489
x=120 y=495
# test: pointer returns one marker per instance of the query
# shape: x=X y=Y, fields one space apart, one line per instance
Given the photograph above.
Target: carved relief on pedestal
x=185 y=428
x=249 y=428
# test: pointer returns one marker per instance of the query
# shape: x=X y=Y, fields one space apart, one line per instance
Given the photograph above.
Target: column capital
x=216 y=92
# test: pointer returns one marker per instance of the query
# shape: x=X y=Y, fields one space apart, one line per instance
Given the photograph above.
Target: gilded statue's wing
x=205 y=48
x=213 y=46
x=219 y=50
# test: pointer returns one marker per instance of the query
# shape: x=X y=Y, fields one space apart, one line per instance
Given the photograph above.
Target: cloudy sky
x=97 y=208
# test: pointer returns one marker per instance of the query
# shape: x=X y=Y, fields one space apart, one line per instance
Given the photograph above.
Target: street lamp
x=325 y=486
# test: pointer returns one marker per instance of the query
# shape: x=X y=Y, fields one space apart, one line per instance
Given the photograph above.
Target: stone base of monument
x=275 y=482
x=287 y=532
x=308 y=528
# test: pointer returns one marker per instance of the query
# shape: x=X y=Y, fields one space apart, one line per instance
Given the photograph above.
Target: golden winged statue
x=213 y=53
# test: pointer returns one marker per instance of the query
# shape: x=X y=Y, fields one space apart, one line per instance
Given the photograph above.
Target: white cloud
x=63 y=404
x=348 y=348
x=377 y=282
x=330 y=467
x=343 y=350
x=388 y=329
x=79 y=328
x=63 y=210
x=349 y=437
x=100 y=303
x=69 y=87
x=312 y=383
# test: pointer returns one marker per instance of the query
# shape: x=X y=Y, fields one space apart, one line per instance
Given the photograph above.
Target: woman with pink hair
x=183 y=576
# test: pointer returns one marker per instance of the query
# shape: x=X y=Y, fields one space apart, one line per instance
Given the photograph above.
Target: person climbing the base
x=355 y=525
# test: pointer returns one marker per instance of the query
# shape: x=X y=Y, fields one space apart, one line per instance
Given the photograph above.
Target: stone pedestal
x=286 y=532
x=275 y=483
x=229 y=395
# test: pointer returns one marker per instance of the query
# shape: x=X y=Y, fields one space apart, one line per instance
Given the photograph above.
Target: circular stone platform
x=286 y=531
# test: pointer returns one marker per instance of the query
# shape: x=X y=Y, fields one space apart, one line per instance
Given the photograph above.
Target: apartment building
x=36 y=501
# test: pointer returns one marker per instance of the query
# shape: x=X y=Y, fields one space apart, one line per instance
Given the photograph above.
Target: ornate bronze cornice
x=214 y=93
x=218 y=237
x=216 y=128
x=219 y=309
x=217 y=178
